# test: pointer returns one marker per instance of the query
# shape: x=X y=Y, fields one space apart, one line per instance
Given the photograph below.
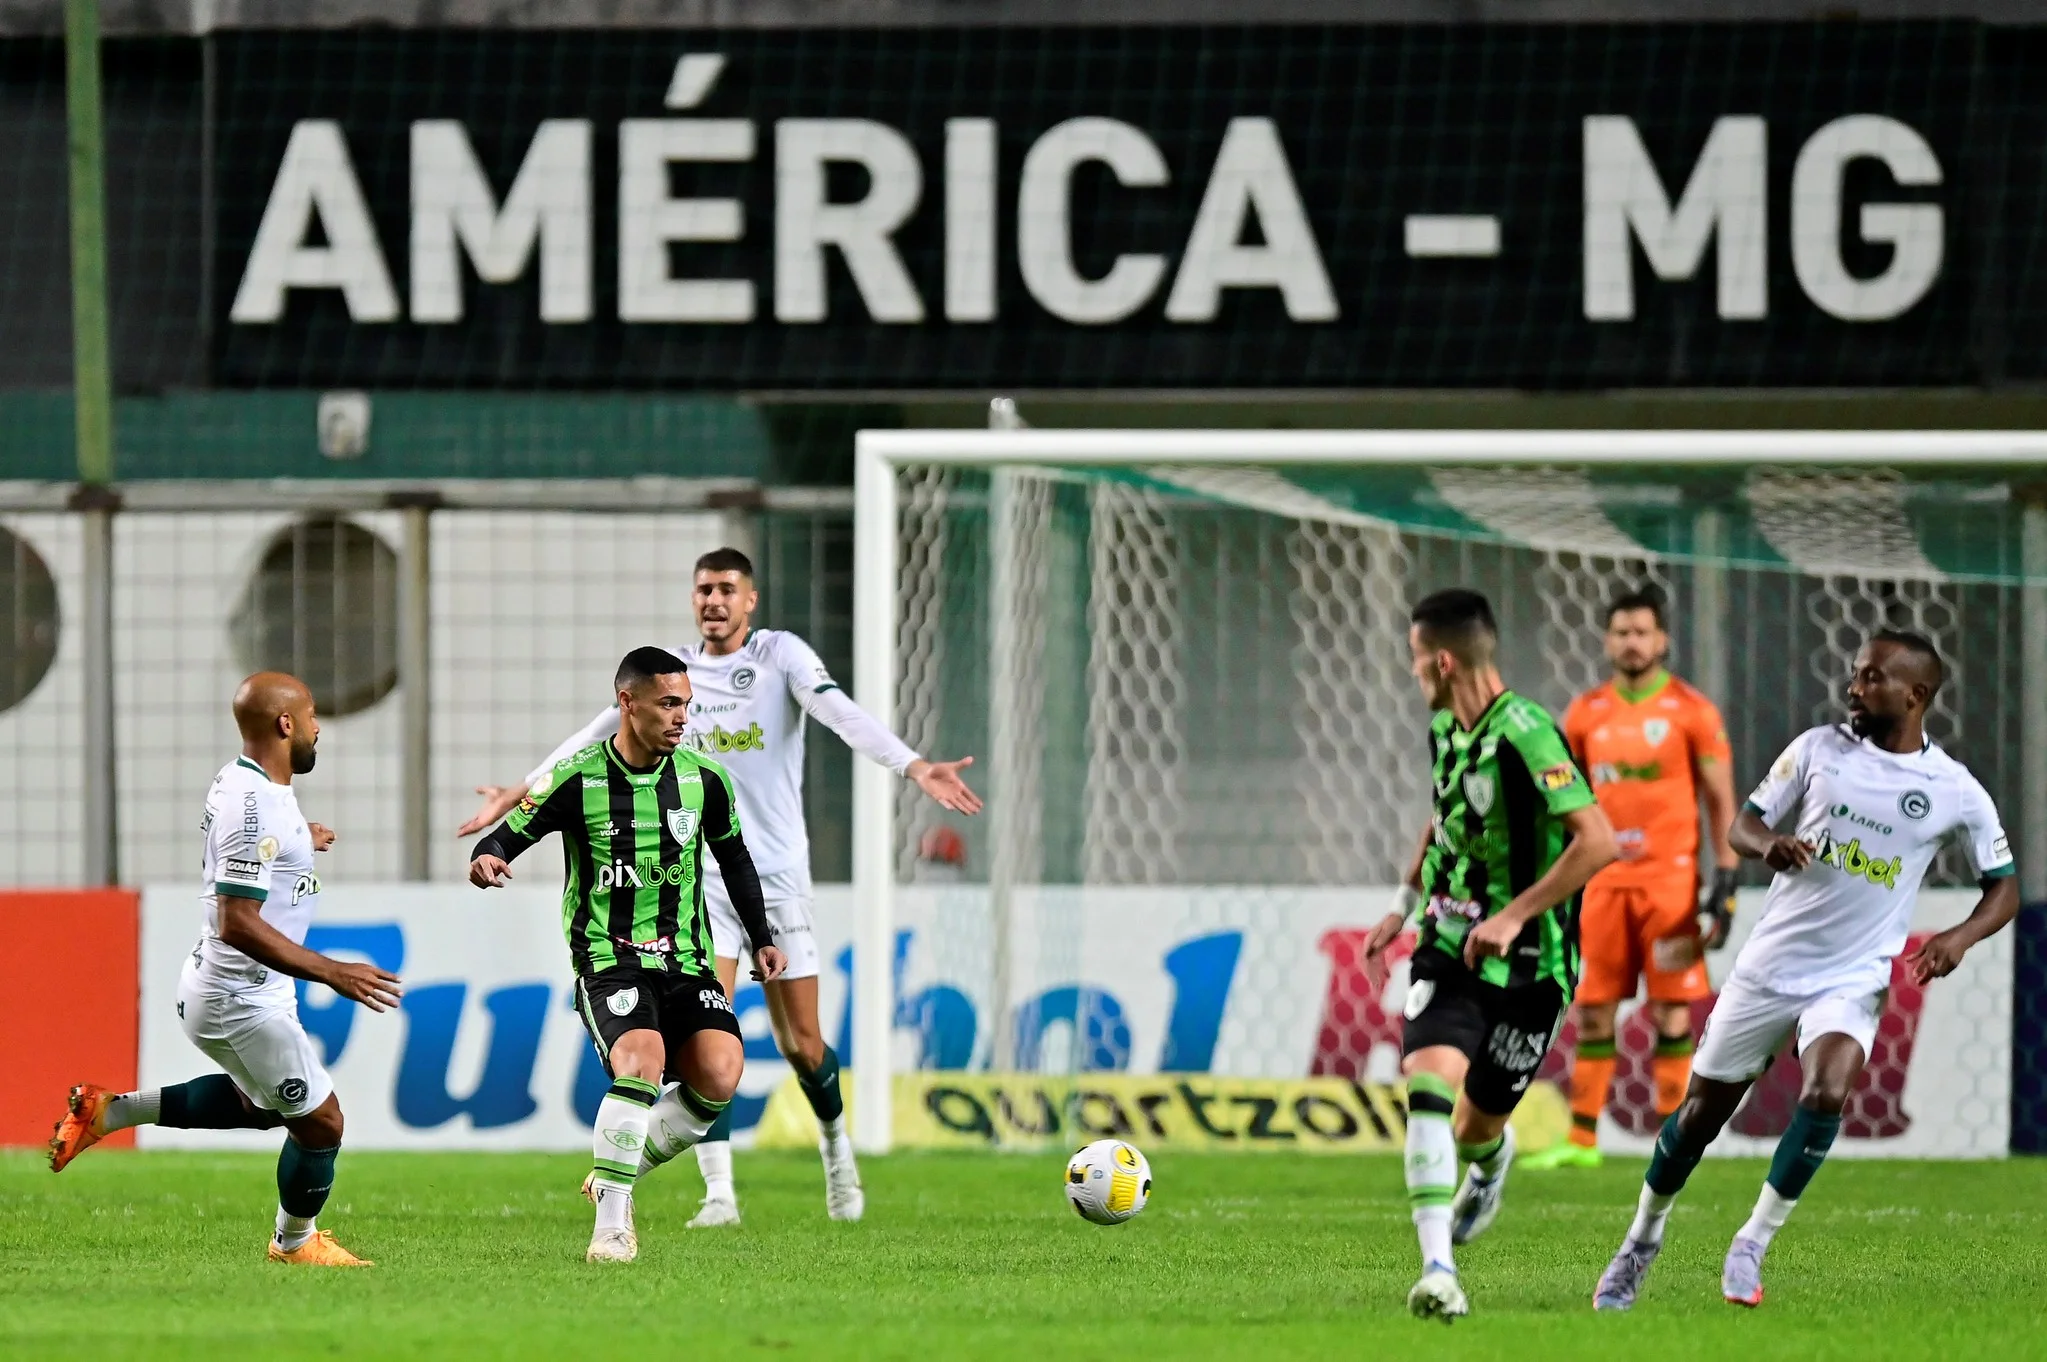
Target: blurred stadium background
x=437 y=340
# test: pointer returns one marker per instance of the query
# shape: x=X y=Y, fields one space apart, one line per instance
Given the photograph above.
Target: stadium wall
x=1235 y=995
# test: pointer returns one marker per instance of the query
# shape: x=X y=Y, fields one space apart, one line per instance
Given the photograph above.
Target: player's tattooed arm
x=1938 y=955
x=242 y=928
x=1752 y=837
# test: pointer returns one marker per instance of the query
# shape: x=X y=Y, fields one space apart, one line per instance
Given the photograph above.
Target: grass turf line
x=161 y=1255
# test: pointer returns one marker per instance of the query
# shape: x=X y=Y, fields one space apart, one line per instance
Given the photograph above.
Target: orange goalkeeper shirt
x=1641 y=753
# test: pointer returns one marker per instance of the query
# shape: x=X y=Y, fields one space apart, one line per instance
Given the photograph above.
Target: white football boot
x=714 y=1212
x=843 y=1198
x=1438 y=1296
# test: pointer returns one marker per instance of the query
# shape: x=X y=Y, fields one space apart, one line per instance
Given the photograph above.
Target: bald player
x=236 y=999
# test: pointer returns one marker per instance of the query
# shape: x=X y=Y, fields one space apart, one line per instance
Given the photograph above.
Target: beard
x=1864 y=724
x=302 y=758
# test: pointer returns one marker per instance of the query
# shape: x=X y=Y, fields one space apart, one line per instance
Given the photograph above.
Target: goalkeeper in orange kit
x=1654 y=748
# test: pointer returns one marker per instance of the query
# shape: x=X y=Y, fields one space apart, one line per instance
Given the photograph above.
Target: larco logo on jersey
x=1861 y=820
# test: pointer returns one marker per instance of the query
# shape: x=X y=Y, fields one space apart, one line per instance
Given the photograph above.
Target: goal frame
x=879 y=454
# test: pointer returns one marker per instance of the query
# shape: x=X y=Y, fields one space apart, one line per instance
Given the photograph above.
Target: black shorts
x=1504 y=1032
x=626 y=998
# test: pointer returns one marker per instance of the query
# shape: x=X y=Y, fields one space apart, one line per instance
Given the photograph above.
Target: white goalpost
x=1180 y=657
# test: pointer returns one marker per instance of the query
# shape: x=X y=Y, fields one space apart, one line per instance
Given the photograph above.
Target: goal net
x=1180 y=659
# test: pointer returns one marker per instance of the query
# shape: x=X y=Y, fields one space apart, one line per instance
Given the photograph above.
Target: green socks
x=1802 y=1150
x=211 y=1103
x=821 y=1087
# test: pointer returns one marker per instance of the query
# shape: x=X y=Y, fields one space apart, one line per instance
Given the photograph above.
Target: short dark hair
x=1648 y=596
x=1921 y=647
x=726 y=560
x=1457 y=619
x=642 y=665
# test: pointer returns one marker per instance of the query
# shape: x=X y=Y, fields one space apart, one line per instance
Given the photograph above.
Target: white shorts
x=1749 y=1023
x=788 y=896
x=256 y=1038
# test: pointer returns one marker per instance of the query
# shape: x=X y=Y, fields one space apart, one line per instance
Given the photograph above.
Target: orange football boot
x=80 y=1129
x=318 y=1251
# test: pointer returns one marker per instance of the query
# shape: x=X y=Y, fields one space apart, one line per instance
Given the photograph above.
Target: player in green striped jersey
x=636 y=812
x=1514 y=836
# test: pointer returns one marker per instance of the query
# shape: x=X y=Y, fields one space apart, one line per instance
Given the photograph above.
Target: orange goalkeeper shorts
x=1625 y=933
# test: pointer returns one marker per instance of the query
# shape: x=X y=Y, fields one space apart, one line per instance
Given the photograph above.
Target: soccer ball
x=1108 y=1182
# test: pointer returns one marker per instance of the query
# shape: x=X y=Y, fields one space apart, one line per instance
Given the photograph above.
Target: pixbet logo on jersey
x=645 y=874
x=1850 y=859
x=722 y=740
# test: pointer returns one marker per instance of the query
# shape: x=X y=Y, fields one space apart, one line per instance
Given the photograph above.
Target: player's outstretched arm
x=813 y=689
x=242 y=927
x=499 y=800
x=941 y=780
x=1592 y=849
x=1938 y=955
x=490 y=863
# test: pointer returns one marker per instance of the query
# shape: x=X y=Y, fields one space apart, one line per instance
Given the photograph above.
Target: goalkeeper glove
x=1716 y=909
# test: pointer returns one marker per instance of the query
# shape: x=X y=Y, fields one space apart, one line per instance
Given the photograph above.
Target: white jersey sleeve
x=1785 y=785
x=812 y=687
x=1982 y=832
x=237 y=825
x=597 y=730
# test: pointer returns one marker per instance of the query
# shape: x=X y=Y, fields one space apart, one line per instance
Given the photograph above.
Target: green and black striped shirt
x=1502 y=788
x=633 y=840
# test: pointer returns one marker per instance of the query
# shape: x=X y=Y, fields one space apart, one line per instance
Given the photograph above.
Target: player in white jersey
x=1868 y=804
x=236 y=1000
x=753 y=690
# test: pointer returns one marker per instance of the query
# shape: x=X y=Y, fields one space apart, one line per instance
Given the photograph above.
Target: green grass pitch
x=161 y=1255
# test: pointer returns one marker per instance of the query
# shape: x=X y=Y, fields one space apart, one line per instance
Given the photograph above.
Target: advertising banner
x=1252 y=206
x=67 y=1002
x=1225 y=1017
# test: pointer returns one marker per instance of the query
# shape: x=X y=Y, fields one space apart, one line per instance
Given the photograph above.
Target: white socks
x=1432 y=1173
x=1651 y=1210
x=142 y=1108
x=836 y=1144
x=714 y=1161
x=1772 y=1210
x=292 y=1230
x=618 y=1141
x=614 y=1206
